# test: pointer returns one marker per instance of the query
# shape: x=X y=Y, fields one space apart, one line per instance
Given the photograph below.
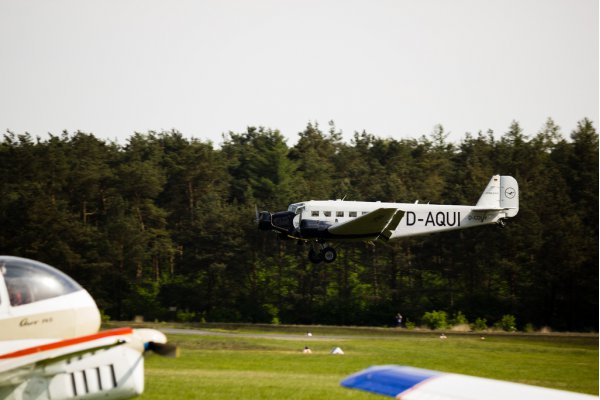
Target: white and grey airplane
x=324 y=221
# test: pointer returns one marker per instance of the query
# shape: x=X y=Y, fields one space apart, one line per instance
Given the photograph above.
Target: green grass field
x=271 y=365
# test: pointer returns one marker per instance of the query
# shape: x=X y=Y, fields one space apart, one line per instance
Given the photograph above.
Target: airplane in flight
x=322 y=221
x=409 y=383
x=50 y=347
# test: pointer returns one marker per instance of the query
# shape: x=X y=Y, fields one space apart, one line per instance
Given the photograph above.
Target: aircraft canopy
x=28 y=281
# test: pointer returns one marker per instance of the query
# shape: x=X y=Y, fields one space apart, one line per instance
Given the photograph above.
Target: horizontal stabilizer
x=487 y=209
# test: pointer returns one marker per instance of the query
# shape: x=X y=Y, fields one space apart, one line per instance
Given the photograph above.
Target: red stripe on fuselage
x=67 y=342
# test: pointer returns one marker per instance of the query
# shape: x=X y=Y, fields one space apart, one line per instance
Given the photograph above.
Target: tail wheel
x=315 y=257
x=328 y=254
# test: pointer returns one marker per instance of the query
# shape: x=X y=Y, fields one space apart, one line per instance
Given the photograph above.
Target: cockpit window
x=296 y=207
x=28 y=281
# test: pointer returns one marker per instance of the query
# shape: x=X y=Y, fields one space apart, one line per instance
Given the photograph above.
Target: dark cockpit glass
x=28 y=281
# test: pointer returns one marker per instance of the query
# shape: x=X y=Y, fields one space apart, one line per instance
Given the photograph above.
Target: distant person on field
x=398 y=319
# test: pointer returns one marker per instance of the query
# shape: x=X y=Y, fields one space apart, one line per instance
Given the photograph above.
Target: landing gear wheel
x=328 y=254
x=315 y=257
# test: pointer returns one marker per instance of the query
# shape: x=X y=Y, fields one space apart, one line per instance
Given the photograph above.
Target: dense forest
x=164 y=226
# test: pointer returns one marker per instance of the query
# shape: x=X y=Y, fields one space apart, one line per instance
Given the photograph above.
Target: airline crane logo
x=510 y=193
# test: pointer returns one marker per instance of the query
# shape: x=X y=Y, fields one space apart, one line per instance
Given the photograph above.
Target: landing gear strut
x=314 y=257
x=326 y=253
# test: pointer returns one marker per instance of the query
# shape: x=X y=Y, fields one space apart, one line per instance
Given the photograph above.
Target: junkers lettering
x=441 y=218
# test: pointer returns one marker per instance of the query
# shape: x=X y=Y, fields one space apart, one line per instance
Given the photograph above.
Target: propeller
x=163 y=349
x=263 y=219
x=156 y=341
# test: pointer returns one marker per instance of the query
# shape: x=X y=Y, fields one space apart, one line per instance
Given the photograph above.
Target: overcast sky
x=205 y=67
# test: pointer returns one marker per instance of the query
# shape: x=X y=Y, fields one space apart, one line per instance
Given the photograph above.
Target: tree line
x=164 y=226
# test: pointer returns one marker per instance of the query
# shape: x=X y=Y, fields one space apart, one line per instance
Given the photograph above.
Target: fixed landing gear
x=329 y=254
x=314 y=257
x=326 y=253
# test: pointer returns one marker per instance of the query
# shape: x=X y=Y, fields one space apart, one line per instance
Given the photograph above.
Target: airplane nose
x=264 y=221
x=87 y=315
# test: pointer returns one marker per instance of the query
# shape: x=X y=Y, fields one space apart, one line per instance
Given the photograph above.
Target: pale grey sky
x=394 y=68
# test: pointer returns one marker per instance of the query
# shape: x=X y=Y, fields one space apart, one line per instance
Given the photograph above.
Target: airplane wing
x=389 y=228
x=108 y=364
x=380 y=222
x=408 y=383
x=59 y=349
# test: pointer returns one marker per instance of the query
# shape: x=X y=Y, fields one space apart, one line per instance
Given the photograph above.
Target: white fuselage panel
x=418 y=219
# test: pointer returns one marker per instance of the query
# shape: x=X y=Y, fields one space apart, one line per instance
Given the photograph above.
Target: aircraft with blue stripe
x=409 y=383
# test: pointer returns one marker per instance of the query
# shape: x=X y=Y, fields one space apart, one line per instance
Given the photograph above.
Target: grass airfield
x=266 y=362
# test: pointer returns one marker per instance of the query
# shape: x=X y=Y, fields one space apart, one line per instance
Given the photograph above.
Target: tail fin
x=509 y=195
x=502 y=192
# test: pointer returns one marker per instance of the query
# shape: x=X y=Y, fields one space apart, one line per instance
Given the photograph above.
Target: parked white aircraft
x=337 y=220
x=50 y=347
x=408 y=383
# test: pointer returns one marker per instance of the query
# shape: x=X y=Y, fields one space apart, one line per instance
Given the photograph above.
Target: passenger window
x=353 y=214
x=365 y=212
x=314 y=213
x=327 y=213
x=339 y=214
